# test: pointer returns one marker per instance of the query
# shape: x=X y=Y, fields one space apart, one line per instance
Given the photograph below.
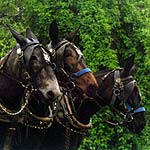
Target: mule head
x=32 y=65
x=118 y=89
x=133 y=100
x=69 y=59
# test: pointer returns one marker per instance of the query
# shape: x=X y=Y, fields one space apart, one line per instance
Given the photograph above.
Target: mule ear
x=30 y=35
x=49 y=47
x=72 y=36
x=133 y=69
x=128 y=66
x=53 y=32
x=19 y=38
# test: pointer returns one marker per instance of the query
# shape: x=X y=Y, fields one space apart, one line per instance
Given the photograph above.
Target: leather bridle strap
x=28 y=53
x=60 y=54
x=116 y=90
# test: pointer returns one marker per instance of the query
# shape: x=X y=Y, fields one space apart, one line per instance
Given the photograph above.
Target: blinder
x=59 y=53
x=123 y=87
x=28 y=52
x=25 y=55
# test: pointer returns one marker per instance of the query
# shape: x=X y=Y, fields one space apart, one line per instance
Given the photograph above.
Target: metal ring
x=73 y=76
x=128 y=118
x=116 y=92
x=53 y=65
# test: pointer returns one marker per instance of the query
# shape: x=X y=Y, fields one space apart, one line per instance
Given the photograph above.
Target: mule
x=71 y=70
x=122 y=95
x=117 y=89
x=28 y=86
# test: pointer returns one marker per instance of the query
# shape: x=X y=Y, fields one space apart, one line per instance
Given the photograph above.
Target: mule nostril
x=50 y=94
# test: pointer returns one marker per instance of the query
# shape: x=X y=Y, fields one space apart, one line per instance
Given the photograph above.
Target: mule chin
x=138 y=123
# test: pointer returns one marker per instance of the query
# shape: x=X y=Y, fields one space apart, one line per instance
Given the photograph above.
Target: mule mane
x=101 y=73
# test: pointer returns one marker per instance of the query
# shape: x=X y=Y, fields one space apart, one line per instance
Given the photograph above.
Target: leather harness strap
x=59 y=53
x=115 y=90
x=10 y=133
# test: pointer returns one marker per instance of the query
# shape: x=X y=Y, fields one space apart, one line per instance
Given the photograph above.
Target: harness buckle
x=26 y=75
x=116 y=92
x=71 y=85
x=128 y=118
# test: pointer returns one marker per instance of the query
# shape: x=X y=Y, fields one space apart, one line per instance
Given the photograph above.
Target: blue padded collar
x=140 y=109
x=81 y=72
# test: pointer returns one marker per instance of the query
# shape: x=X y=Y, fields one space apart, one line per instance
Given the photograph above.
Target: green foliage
x=10 y=14
x=110 y=31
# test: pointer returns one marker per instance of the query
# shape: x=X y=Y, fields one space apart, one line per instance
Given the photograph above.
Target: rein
x=67 y=106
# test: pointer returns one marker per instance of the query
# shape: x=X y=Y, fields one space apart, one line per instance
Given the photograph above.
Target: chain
x=8 y=112
x=67 y=137
x=72 y=130
x=36 y=127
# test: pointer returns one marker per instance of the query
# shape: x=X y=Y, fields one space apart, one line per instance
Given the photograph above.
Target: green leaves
x=110 y=31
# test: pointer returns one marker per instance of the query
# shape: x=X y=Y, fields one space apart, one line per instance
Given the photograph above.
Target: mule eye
x=34 y=58
x=68 y=55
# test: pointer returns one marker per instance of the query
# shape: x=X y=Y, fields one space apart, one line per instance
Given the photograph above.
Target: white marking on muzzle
x=53 y=87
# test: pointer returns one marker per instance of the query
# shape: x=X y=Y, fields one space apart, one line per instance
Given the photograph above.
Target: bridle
x=122 y=90
x=25 y=79
x=59 y=51
x=67 y=104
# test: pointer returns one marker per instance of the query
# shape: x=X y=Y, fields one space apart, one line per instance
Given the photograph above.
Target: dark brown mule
x=75 y=79
x=27 y=85
x=117 y=89
x=70 y=65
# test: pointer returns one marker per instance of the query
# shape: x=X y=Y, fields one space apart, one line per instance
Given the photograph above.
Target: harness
x=65 y=109
x=120 y=86
x=66 y=103
x=23 y=114
x=59 y=55
x=66 y=116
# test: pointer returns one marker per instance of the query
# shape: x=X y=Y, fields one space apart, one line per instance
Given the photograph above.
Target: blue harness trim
x=81 y=72
x=140 y=109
